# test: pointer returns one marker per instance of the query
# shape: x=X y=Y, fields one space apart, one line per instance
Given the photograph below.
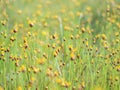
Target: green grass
x=59 y=45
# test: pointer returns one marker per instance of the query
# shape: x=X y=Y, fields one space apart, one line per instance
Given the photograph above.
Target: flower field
x=59 y=44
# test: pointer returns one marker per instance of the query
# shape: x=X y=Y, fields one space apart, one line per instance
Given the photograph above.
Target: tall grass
x=59 y=45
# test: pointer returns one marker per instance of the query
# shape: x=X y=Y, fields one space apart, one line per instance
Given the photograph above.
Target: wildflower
x=83 y=84
x=98 y=88
x=29 y=34
x=36 y=70
x=50 y=68
x=72 y=55
x=88 y=9
x=38 y=13
x=65 y=19
x=118 y=25
x=108 y=8
x=49 y=73
x=73 y=88
x=2 y=53
x=49 y=45
x=63 y=10
x=15 y=30
x=55 y=17
x=12 y=39
x=8 y=49
x=44 y=23
x=116 y=78
x=53 y=45
x=45 y=56
x=64 y=38
x=54 y=36
x=39 y=6
x=19 y=88
x=17 y=63
x=44 y=33
x=117 y=34
x=31 y=23
x=104 y=37
x=56 y=73
x=41 y=61
x=22 y=68
x=78 y=56
x=66 y=28
x=31 y=82
x=71 y=48
x=25 y=45
x=65 y=84
x=77 y=36
x=92 y=61
x=71 y=37
x=20 y=25
x=19 y=11
x=55 y=54
x=46 y=88
x=3 y=22
x=58 y=80
x=1 y=88
x=118 y=68
x=83 y=29
x=78 y=14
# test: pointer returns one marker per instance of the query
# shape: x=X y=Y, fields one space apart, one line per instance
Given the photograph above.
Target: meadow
x=59 y=44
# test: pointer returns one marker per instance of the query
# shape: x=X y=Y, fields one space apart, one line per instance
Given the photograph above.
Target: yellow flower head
x=19 y=88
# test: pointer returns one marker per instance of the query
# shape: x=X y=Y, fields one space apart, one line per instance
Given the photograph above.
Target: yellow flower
x=71 y=48
x=55 y=17
x=1 y=88
x=12 y=39
x=39 y=6
x=118 y=68
x=23 y=68
x=41 y=61
x=83 y=29
x=44 y=33
x=3 y=22
x=31 y=82
x=19 y=88
x=78 y=14
x=36 y=70
x=19 y=11
x=65 y=84
x=72 y=55
x=104 y=37
x=29 y=69
x=55 y=54
x=88 y=9
x=44 y=23
x=29 y=33
x=56 y=73
x=116 y=78
x=83 y=84
x=49 y=73
x=31 y=23
x=38 y=13
x=63 y=10
x=66 y=28
x=98 y=88
x=117 y=34
x=58 y=80
x=20 y=25
x=32 y=79
x=86 y=43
